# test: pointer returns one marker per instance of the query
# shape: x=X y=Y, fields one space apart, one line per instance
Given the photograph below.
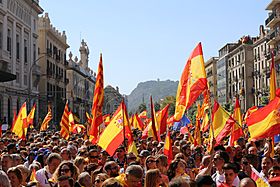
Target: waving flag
x=20 y=126
x=30 y=116
x=137 y=123
x=182 y=123
x=143 y=115
x=192 y=83
x=154 y=121
x=236 y=131
x=47 y=119
x=98 y=99
x=167 y=150
x=67 y=122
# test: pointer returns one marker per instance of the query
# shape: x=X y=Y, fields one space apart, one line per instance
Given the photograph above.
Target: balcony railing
x=270 y=18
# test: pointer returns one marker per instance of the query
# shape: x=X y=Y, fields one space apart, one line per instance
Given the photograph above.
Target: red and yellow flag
x=106 y=119
x=47 y=119
x=113 y=135
x=236 y=131
x=143 y=114
x=162 y=116
x=222 y=123
x=265 y=122
x=98 y=99
x=258 y=178
x=272 y=87
x=192 y=83
x=167 y=150
x=137 y=123
x=20 y=126
x=197 y=134
x=154 y=121
x=30 y=116
x=67 y=122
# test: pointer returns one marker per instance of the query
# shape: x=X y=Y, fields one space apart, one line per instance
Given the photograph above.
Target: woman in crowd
x=177 y=168
x=150 y=163
x=153 y=178
x=66 y=168
x=15 y=177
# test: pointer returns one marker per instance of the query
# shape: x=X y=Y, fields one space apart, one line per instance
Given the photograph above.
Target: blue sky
x=150 y=39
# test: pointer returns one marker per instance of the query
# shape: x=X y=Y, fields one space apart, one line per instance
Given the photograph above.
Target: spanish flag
x=192 y=83
x=67 y=122
x=258 y=178
x=222 y=123
x=98 y=99
x=167 y=150
x=20 y=126
x=137 y=123
x=30 y=116
x=265 y=122
x=113 y=135
x=106 y=119
x=154 y=121
x=143 y=114
x=162 y=116
x=46 y=120
x=236 y=131
x=272 y=87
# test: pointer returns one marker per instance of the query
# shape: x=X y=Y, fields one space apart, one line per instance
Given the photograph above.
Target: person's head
x=53 y=161
x=186 y=150
x=99 y=179
x=11 y=148
x=150 y=162
x=204 y=181
x=133 y=175
x=143 y=155
x=162 y=163
x=247 y=182
x=205 y=161
x=274 y=171
x=111 y=182
x=80 y=162
x=120 y=152
x=24 y=172
x=220 y=158
x=111 y=168
x=153 y=178
x=4 y=180
x=179 y=182
x=17 y=159
x=231 y=172
x=7 y=162
x=93 y=156
x=65 y=154
x=253 y=150
x=177 y=167
x=245 y=166
x=66 y=168
x=65 y=181
x=15 y=176
x=131 y=157
x=267 y=163
x=84 y=179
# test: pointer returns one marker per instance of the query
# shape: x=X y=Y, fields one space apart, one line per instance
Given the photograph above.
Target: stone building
x=53 y=64
x=79 y=90
x=112 y=99
x=211 y=73
x=19 y=55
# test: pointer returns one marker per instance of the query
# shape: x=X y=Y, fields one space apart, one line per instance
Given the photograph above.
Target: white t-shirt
x=41 y=177
x=220 y=178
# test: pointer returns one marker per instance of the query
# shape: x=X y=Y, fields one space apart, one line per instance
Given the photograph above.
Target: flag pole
x=124 y=144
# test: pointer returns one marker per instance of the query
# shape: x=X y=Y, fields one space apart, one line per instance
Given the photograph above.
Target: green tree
x=141 y=108
x=171 y=100
x=228 y=107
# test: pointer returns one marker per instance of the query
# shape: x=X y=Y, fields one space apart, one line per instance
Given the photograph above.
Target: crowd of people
x=44 y=159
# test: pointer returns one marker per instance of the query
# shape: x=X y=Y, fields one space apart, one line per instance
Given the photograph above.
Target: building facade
x=211 y=73
x=112 y=99
x=240 y=67
x=79 y=90
x=261 y=73
x=222 y=72
x=273 y=23
x=18 y=55
x=53 y=65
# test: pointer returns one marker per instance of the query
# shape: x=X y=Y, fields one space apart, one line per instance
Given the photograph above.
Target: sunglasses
x=150 y=161
x=65 y=170
x=93 y=156
x=246 y=163
x=98 y=181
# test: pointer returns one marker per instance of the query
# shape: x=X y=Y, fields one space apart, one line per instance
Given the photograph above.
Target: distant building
x=53 y=81
x=211 y=73
x=112 y=99
x=18 y=55
x=81 y=83
x=239 y=72
x=261 y=73
x=222 y=72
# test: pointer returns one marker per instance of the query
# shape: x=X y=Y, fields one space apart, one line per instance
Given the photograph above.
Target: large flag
x=192 y=83
x=162 y=116
x=167 y=150
x=154 y=121
x=30 y=116
x=47 y=119
x=113 y=135
x=98 y=99
x=249 y=112
x=67 y=122
x=272 y=87
x=236 y=131
x=222 y=123
x=265 y=122
x=20 y=126
x=137 y=122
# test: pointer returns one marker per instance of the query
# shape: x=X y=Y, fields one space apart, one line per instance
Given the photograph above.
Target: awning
x=5 y=76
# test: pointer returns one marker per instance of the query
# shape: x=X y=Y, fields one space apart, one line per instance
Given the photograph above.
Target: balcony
x=5 y=61
x=274 y=36
x=272 y=20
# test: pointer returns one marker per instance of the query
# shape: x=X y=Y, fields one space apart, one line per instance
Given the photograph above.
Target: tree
x=141 y=108
x=157 y=106
x=171 y=100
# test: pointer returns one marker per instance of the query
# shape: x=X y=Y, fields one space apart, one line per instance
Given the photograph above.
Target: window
x=9 y=41
x=25 y=80
x=34 y=52
x=17 y=74
x=1 y=35
x=17 y=47
x=25 y=51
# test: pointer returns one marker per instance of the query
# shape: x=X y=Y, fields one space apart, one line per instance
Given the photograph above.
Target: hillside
x=143 y=91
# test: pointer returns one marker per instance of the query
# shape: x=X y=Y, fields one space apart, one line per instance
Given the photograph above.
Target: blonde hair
x=152 y=177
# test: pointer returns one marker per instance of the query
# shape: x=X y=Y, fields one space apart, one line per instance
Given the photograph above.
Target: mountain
x=158 y=89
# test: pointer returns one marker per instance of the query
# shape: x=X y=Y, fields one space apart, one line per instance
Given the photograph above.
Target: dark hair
x=53 y=156
x=232 y=166
x=205 y=179
x=171 y=172
x=178 y=182
x=17 y=172
x=69 y=179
